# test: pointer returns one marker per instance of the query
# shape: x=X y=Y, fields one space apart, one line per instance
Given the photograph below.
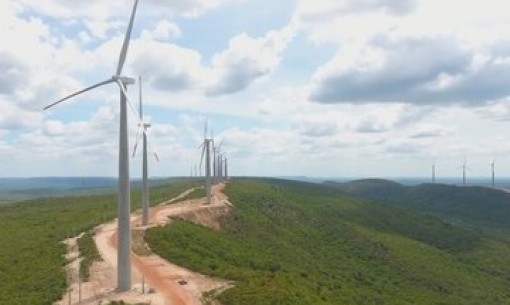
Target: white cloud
x=163 y=31
x=248 y=59
x=384 y=51
x=168 y=67
x=13 y=117
x=411 y=70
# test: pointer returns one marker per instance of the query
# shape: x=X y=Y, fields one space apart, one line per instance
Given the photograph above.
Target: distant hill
x=471 y=205
x=298 y=243
x=17 y=189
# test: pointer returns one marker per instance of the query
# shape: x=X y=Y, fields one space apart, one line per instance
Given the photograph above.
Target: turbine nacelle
x=124 y=79
x=144 y=125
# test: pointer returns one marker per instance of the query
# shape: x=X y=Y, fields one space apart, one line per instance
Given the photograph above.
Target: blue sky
x=353 y=88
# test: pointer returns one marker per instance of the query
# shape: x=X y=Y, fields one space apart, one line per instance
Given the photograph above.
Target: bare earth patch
x=155 y=280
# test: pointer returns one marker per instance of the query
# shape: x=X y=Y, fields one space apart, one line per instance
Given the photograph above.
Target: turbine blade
x=136 y=144
x=156 y=156
x=127 y=38
x=202 y=156
x=140 y=112
x=79 y=92
x=219 y=146
x=205 y=128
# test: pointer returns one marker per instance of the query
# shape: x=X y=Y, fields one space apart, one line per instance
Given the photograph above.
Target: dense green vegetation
x=89 y=253
x=299 y=243
x=31 y=252
x=473 y=206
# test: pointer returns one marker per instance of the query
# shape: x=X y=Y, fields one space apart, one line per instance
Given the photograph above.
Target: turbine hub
x=124 y=79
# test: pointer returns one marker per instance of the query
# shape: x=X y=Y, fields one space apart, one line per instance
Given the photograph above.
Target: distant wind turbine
x=464 y=169
x=493 y=172
x=220 y=166
x=217 y=161
x=434 y=173
x=206 y=151
x=124 y=236
x=226 y=168
x=143 y=126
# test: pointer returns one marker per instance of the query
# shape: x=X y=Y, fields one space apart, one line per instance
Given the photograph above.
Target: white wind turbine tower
x=434 y=173
x=464 y=173
x=216 y=160
x=493 y=172
x=464 y=168
x=226 y=168
x=206 y=151
x=145 y=183
x=213 y=148
x=220 y=166
x=124 y=235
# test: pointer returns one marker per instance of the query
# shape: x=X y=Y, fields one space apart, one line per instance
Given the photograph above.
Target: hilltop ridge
x=475 y=206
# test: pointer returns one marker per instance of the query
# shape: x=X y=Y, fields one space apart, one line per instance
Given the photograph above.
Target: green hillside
x=474 y=206
x=299 y=243
x=31 y=252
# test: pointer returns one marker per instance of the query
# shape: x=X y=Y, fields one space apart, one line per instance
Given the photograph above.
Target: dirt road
x=167 y=283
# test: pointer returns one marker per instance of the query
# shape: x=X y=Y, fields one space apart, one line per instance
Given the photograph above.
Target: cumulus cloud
x=14 y=72
x=259 y=142
x=369 y=126
x=189 y=8
x=317 y=10
x=101 y=10
x=247 y=59
x=168 y=67
x=412 y=70
x=173 y=68
x=163 y=31
x=13 y=117
x=319 y=129
x=404 y=148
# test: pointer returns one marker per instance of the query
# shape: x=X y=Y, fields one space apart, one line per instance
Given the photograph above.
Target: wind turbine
x=225 y=165
x=145 y=184
x=493 y=171
x=206 y=151
x=124 y=235
x=216 y=160
x=219 y=156
x=464 y=168
x=220 y=165
x=434 y=173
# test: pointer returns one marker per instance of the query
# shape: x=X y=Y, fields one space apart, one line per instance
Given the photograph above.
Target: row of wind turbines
x=466 y=168
x=220 y=168
x=214 y=171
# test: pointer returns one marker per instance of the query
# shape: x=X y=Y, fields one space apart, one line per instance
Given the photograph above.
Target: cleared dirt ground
x=155 y=280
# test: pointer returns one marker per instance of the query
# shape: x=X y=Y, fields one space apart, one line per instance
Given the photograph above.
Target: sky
x=321 y=88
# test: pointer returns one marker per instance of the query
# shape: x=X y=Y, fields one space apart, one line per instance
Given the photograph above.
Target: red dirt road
x=164 y=276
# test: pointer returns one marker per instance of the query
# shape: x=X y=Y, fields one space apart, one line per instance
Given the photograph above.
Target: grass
x=298 y=243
